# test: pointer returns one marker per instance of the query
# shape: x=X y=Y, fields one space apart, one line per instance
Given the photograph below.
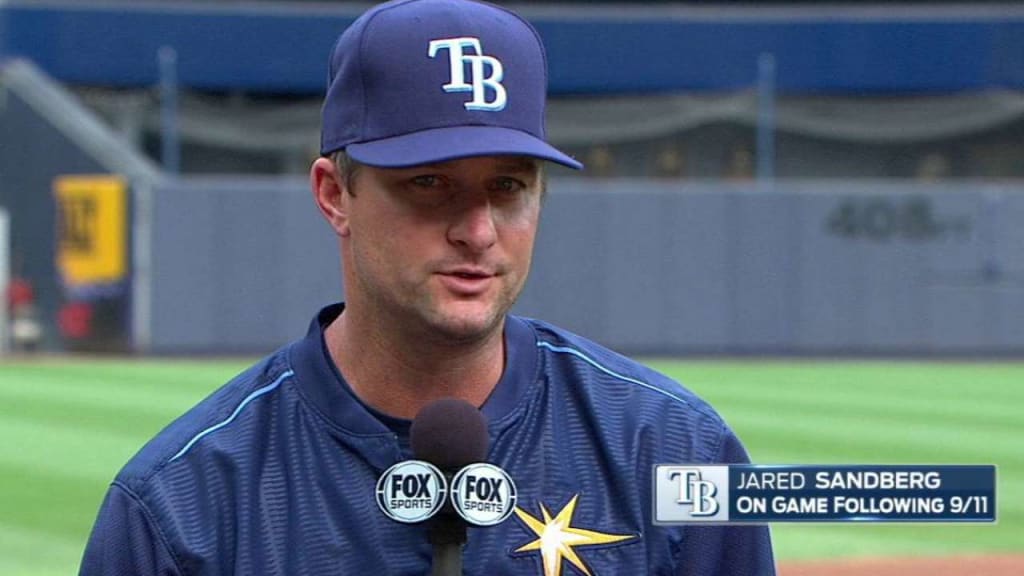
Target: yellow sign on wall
x=91 y=229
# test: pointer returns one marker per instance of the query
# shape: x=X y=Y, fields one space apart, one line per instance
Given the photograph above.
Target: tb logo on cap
x=479 y=67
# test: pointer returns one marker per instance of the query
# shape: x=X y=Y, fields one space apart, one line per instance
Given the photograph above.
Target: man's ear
x=329 y=194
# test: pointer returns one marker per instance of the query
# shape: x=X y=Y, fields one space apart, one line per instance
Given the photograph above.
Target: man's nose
x=473 y=224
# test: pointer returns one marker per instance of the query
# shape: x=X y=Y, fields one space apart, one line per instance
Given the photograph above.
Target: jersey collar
x=323 y=385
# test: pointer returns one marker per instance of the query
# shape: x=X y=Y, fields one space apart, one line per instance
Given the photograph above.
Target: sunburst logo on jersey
x=557 y=539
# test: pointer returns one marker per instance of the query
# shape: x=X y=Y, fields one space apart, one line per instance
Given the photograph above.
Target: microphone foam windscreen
x=449 y=433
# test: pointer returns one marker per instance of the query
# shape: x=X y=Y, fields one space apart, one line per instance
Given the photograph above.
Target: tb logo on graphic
x=699 y=494
x=485 y=72
x=690 y=493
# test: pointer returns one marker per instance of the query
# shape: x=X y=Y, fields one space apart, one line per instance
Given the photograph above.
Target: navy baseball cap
x=422 y=81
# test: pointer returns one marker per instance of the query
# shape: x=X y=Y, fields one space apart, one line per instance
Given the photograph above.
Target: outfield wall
x=806 y=268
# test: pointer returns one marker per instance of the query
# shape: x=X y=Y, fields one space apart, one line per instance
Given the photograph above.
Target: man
x=432 y=179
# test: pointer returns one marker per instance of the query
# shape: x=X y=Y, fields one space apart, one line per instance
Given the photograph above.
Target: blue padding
x=284 y=49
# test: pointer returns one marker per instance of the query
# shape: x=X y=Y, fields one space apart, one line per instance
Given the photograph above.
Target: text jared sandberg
x=840 y=480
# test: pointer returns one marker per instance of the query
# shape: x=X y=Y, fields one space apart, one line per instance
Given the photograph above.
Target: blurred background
x=782 y=179
x=761 y=178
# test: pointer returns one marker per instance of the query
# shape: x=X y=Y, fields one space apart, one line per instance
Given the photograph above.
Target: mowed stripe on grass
x=70 y=424
x=877 y=412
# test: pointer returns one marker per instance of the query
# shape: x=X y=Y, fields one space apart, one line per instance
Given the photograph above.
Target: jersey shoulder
x=609 y=366
x=618 y=389
x=215 y=411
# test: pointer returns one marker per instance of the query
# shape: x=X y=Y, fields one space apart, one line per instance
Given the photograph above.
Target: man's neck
x=399 y=375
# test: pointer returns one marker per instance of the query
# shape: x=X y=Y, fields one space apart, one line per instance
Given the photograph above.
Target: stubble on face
x=442 y=251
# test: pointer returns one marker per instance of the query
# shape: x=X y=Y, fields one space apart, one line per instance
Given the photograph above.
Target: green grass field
x=878 y=412
x=68 y=425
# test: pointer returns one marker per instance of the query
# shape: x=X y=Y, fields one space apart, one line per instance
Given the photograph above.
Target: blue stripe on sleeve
x=595 y=364
x=255 y=394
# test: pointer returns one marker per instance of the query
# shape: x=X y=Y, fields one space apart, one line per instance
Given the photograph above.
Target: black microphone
x=450 y=434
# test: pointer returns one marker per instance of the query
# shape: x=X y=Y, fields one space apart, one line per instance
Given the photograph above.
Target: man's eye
x=427 y=181
x=509 y=185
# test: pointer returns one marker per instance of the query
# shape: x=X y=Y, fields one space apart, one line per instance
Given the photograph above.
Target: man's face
x=443 y=249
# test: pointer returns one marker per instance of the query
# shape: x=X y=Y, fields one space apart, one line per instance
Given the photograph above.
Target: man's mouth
x=467 y=281
x=468 y=273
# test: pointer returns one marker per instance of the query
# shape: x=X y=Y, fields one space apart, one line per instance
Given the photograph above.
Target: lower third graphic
x=755 y=494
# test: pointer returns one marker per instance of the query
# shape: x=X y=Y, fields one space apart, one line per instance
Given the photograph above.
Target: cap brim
x=443 y=144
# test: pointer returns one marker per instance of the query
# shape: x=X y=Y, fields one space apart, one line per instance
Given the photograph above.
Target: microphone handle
x=447 y=560
x=447 y=536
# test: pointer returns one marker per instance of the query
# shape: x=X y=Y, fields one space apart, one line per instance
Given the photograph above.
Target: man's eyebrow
x=519 y=165
x=505 y=164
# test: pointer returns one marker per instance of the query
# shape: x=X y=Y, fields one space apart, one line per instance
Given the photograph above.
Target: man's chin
x=460 y=324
